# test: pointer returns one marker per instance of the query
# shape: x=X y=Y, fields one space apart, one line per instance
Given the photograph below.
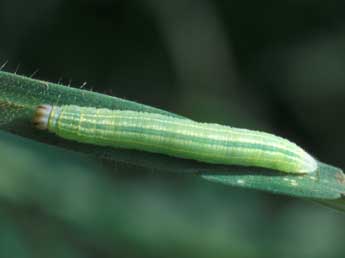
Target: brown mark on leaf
x=7 y=104
x=340 y=177
x=44 y=84
x=9 y=111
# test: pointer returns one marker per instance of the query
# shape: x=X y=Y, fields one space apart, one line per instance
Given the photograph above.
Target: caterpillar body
x=182 y=138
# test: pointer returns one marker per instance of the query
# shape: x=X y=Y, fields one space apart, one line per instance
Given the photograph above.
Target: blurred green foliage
x=274 y=66
x=74 y=208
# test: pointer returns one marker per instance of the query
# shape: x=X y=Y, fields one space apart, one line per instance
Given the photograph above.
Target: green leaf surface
x=19 y=97
x=326 y=183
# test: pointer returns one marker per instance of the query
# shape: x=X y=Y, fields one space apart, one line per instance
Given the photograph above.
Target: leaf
x=338 y=204
x=326 y=183
x=19 y=96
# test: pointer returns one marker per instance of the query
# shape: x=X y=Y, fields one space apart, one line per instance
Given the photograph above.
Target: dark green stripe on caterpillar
x=182 y=138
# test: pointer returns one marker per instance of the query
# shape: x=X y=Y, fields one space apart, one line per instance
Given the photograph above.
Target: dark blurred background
x=276 y=66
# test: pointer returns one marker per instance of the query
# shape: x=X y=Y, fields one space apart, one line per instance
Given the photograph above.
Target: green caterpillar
x=182 y=138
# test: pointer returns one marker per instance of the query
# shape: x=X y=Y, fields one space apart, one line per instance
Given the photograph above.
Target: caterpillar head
x=41 y=117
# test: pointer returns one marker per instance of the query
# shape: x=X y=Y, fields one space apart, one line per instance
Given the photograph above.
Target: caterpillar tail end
x=310 y=164
x=41 y=117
